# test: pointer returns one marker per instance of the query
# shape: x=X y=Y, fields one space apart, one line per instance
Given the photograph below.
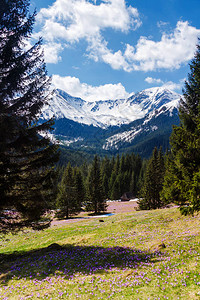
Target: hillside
x=137 y=124
x=135 y=255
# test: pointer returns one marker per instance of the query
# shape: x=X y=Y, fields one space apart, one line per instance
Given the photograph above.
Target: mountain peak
x=110 y=112
x=138 y=123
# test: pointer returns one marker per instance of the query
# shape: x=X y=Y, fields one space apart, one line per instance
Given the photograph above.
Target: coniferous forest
x=27 y=158
x=91 y=184
x=32 y=180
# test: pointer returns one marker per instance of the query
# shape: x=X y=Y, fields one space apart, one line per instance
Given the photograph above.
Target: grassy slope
x=123 y=257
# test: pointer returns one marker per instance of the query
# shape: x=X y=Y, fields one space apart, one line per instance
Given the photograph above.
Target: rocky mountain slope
x=114 y=125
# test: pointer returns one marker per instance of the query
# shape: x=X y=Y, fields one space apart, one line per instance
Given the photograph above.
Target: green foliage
x=75 y=157
x=153 y=181
x=80 y=192
x=27 y=158
x=125 y=176
x=122 y=258
x=95 y=189
x=105 y=170
x=116 y=188
x=71 y=193
x=182 y=175
x=107 y=178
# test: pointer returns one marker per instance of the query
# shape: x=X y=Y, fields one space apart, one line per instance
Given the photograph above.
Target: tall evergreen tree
x=117 y=164
x=182 y=184
x=116 y=189
x=105 y=175
x=80 y=193
x=153 y=181
x=95 y=190
x=111 y=183
x=122 y=166
x=67 y=198
x=132 y=188
x=26 y=157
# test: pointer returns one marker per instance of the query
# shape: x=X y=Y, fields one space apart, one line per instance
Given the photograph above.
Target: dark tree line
x=182 y=178
x=103 y=179
x=27 y=157
x=150 y=192
x=173 y=177
x=178 y=179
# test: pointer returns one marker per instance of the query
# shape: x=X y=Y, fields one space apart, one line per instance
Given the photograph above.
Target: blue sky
x=110 y=49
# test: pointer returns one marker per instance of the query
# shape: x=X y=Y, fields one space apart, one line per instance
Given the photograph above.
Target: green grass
x=139 y=255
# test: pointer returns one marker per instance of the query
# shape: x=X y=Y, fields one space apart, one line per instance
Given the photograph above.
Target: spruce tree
x=116 y=189
x=153 y=182
x=122 y=166
x=183 y=172
x=105 y=175
x=132 y=188
x=80 y=193
x=117 y=164
x=66 y=198
x=95 y=190
x=111 y=184
x=26 y=155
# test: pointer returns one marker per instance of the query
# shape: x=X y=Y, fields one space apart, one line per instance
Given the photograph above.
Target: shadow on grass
x=69 y=260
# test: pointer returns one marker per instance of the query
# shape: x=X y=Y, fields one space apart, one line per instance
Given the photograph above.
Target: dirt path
x=113 y=208
x=121 y=207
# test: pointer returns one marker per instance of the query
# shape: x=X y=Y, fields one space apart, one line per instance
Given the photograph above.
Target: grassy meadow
x=135 y=255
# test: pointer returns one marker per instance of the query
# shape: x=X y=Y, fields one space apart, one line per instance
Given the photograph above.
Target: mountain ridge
x=105 y=113
x=115 y=125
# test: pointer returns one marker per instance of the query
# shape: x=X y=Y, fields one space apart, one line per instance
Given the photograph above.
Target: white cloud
x=115 y=60
x=169 y=84
x=77 y=19
x=153 y=80
x=169 y=53
x=99 y=51
x=174 y=86
x=160 y=24
x=70 y=21
x=51 y=52
x=74 y=87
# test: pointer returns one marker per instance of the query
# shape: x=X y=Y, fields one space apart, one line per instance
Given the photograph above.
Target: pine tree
x=132 y=188
x=153 y=182
x=80 y=193
x=26 y=157
x=128 y=163
x=116 y=189
x=105 y=175
x=111 y=183
x=105 y=185
x=122 y=166
x=183 y=171
x=117 y=164
x=95 y=191
x=125 y=182
x=137 y=166
x=169 y=191
x=66 y=200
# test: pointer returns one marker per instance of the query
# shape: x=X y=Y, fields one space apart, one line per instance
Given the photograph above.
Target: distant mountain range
x=137 y=124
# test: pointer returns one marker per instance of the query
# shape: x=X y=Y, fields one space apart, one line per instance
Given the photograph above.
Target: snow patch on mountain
x=67 y=142
x=124 y=137
x=105 y=113
x=162 y=107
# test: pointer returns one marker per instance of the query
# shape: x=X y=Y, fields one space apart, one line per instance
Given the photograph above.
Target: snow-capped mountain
x=110 y=112
x=114 y=125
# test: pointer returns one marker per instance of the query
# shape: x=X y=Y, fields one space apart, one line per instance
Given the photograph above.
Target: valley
x=114 y=126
